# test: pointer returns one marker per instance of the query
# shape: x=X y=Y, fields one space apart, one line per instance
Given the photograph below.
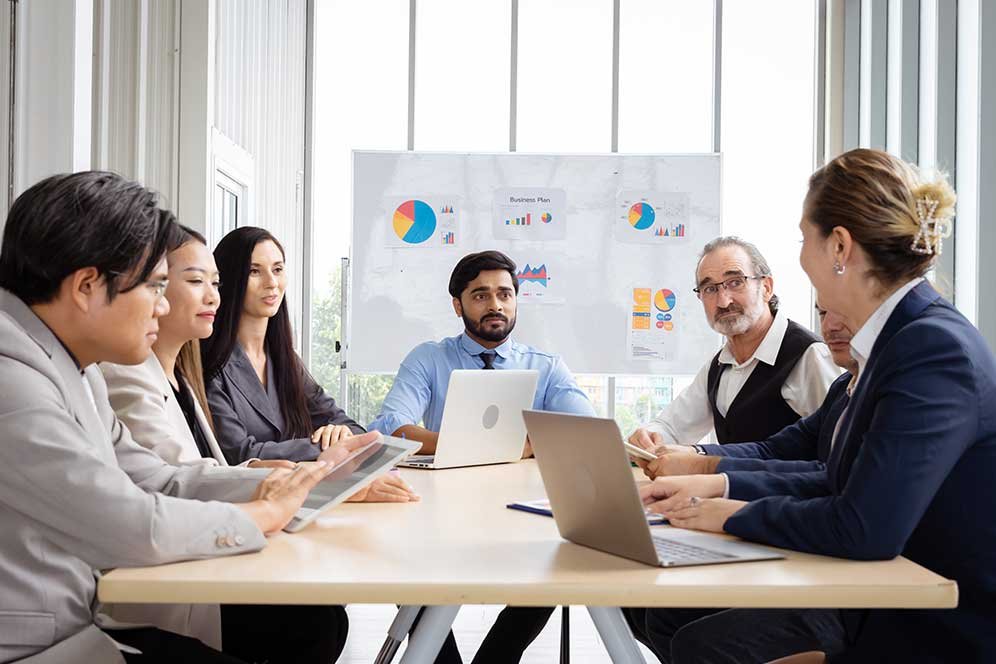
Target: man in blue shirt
x=484 y=288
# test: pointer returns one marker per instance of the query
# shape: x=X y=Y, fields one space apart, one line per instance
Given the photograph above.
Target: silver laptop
x=589 y=482
x=482 y=418
x=358 y=470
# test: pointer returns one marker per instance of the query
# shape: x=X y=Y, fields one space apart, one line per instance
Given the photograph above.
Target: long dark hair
x=233 y=256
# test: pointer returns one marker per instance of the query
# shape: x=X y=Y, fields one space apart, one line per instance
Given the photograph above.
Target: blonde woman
x=913 y=458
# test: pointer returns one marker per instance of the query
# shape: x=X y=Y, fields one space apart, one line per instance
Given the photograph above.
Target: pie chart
x=641 y=216
x=664 y=300
x=414 y=221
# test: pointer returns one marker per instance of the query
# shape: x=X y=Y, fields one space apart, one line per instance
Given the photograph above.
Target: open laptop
x=589 y=482
x=482 y=418
x=357 y=471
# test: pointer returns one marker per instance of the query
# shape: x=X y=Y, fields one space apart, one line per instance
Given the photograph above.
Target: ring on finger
x=694 y=501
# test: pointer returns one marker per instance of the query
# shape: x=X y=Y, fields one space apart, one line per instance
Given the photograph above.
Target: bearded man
x=770 y=372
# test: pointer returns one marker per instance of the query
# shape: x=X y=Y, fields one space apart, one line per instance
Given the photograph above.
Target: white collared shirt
x=689 y=416
x=864 y=339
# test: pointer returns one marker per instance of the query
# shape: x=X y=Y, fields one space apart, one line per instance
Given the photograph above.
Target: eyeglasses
x=158 y=287
x=733 y=284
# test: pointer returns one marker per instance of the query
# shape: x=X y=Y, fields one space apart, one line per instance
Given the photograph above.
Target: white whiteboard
x=612 y=231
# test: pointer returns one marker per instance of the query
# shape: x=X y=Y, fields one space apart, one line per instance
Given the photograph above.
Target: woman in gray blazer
x=264 y=402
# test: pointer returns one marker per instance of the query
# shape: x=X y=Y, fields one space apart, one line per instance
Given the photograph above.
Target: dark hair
x=188 y=360
x=472 y=265
x=234 y=255
x=874 y=195
x=183 y=236
x=758 y=262
x=88 y=219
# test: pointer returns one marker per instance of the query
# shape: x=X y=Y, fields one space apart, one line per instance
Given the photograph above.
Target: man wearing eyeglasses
x=770 y=372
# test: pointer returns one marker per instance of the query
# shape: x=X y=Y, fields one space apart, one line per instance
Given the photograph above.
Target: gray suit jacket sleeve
x=101 y=502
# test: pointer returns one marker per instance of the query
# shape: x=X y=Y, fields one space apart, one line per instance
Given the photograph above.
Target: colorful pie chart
x=546 y=217
x=414 y=221
x=641 y=216
x=664 y=300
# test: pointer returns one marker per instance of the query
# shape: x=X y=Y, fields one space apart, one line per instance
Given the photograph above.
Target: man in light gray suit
x=82 y=274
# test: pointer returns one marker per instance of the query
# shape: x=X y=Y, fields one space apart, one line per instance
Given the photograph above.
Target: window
x=767 y=135
x=231 y=194
x=227 y=193
x=361 y=102
x=565 y=76
x=564 y=104
x=665 y=76
x=462 y=53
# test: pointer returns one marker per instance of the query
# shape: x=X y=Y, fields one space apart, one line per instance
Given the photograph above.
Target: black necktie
x=488 y=359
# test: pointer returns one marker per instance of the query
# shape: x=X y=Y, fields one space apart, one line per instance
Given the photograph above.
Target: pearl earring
x=838 y=268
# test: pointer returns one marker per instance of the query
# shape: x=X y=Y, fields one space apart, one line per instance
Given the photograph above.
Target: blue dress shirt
x=419 y=390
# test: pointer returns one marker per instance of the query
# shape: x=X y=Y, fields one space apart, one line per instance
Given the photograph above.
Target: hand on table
x=328 y=435
x=390 y=488
x=668 y=493
x=708 y=514
x=336 y=454
x=281 y=493
x=669 y=463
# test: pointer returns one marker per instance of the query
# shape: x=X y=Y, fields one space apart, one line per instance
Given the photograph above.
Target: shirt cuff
x=726 y=482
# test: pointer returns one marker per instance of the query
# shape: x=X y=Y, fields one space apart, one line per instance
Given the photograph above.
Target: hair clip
x=932 y=230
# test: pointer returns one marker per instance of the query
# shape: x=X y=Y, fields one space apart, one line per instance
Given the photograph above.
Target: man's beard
x=734 y=325
x=478 y=330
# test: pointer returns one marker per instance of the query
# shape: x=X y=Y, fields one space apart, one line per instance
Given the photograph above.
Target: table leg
x=397 y=633
x=429 y=634
x=618 y=640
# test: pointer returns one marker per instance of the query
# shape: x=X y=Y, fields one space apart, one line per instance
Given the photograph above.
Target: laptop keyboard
x=669 y=550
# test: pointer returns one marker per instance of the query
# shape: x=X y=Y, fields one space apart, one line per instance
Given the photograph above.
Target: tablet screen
x=366 y=462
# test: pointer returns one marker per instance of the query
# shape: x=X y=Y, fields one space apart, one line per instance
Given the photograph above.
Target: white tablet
x=360 y=469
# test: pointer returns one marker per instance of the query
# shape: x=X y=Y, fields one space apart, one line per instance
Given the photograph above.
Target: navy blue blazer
x=912 y=473
x=773 y=466
x=247 y=419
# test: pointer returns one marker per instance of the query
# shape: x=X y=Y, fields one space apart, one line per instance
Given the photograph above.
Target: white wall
x=4 y=103
x=258 y=101
x=135 y=93
x=259 y=105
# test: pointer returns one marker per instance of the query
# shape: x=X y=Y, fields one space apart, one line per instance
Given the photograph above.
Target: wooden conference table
x=460 y=545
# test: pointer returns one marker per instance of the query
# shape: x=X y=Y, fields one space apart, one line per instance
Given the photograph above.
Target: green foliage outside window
x=366 y=391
